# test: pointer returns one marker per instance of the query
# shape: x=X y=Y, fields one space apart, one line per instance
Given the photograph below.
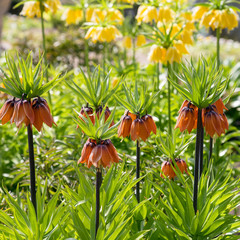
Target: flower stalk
x=44 y=47
x=158 y=77
x=134 y=58
x=86 y=48
x=98 y=186
x=198 y=158
x=138 y=171
x=218 y=34
x=32 y=167
x=169 y=99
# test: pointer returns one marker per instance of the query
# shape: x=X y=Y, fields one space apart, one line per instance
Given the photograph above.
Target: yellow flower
x=180 y=47
x=226 y=18
x=206 y=18
x=146 y=14
x=127 y=42
x=141 y=40
x=216 y=20
x=165 y=14
x=31 y=9
x=72 y=16
x=173 y=55
x=103 y=34
x=89 y=14
x=98 y=16
x=186 y=37
x=187 y=16
x=189 y=26
x=199 y=11
x=115 y=15
x=175 y=29
x=229 y=19
x=157 y=54
x=52 y=5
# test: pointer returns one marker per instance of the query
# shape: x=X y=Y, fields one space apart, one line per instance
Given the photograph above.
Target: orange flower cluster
x=22 y=111
x=89 y=111
x=167 y=168
x=138 y=128
x=103 y=153
x=213 y=118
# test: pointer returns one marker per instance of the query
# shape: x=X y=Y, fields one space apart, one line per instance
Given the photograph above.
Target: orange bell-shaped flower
x=23 y=113
x=181 y=165
x=103 y=154
x=107 y=113
x=125 y=126
x=6 y=111
x=150 y=124
x=86 y=151
x=89 y=111
x=224 y=121
x=139 y=130
x=167 y=169
x=220 y=106
x=212 y=121
x=42 y=113
x=187 y=118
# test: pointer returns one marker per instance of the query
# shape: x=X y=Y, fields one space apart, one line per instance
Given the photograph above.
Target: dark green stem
x=210 y=150
x=98 y=186
x=198 y=159
x=201 y=152
x=32 y=167
x=86 y=48
x=44 y=48
x=169 y=100
x=158 y=75
x=218 y=32
x=134 y=58
x=138 y=171
x=104 y=59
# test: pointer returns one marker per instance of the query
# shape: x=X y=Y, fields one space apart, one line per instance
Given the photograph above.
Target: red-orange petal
x=96 y=155
x=38 y=122
x=28 y=111
x=106 y=157
x=45 y=115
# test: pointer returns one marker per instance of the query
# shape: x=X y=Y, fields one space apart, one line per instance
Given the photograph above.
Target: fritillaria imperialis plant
x=217 y=15
x=202 y=86
x=98 y=150
x=136 y=121
x=24 y=83
x=96 y=121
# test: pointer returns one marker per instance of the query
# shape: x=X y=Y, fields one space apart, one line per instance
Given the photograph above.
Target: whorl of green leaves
x=136 y=102
x=21 y=78
x=218 y=196
x=101 y=129
x=169 y=145
x=202 y=84
x=97 y=88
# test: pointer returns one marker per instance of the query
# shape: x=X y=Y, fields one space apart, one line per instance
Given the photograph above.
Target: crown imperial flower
x=99 y=154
